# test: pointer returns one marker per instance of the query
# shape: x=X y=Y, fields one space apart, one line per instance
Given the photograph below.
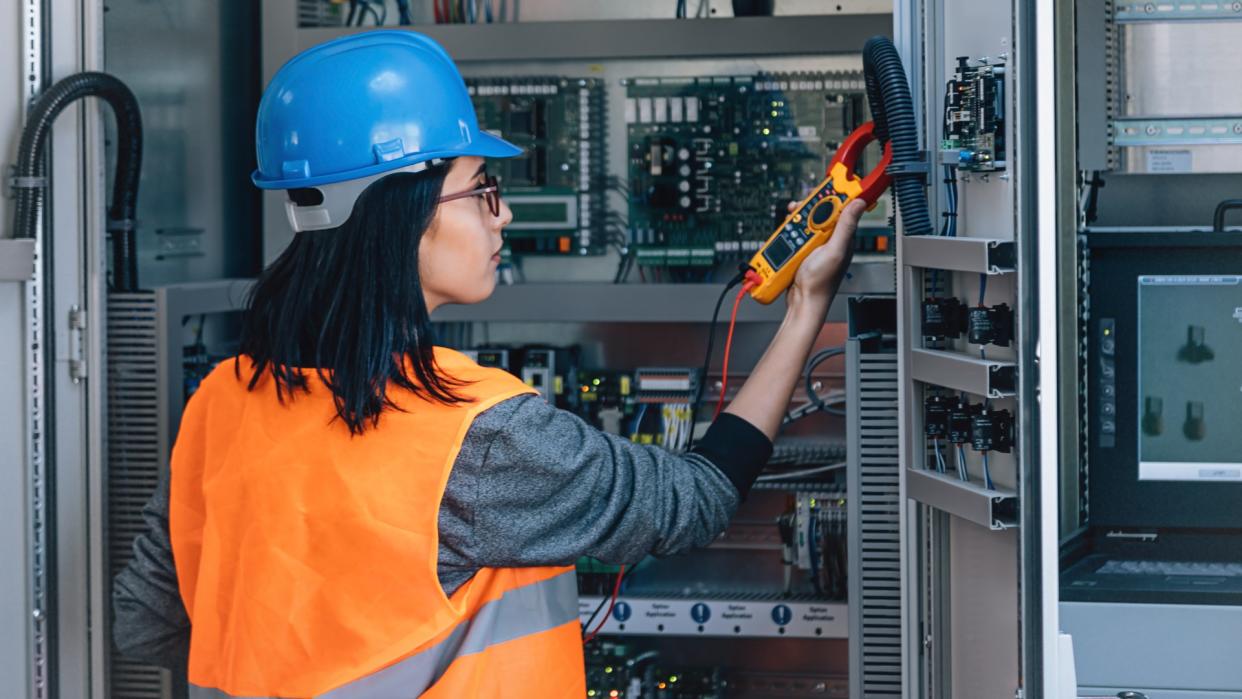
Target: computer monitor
x=1164 y=380
x=1190 y=377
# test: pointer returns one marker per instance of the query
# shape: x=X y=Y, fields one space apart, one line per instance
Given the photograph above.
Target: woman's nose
x=506 y=214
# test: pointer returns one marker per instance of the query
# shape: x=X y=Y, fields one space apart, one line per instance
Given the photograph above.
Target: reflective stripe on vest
x=520 y=612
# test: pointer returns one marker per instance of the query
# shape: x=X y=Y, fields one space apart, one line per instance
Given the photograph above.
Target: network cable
x=803 y=473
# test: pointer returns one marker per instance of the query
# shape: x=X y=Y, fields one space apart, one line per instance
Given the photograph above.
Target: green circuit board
x=713 y=161
x=555 y=186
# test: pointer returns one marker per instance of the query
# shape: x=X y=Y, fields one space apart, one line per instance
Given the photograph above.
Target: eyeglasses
x=490 y=191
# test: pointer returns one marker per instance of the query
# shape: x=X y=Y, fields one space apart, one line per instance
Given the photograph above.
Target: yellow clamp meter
x=812 y=222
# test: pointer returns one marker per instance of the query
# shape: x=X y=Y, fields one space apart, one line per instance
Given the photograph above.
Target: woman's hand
x=764 y=398
x=820 y=275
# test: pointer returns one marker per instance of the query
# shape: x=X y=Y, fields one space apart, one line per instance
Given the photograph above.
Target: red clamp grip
x=876 y=181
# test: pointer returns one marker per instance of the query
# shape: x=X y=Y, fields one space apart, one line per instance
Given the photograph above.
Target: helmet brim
x=489 y=146
x=484 y=145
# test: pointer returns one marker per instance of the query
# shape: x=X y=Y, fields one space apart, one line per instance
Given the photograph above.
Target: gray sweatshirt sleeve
x=534 y=485
x=150 y=622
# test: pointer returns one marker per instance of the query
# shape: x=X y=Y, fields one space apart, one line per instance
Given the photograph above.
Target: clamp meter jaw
x=814 y=219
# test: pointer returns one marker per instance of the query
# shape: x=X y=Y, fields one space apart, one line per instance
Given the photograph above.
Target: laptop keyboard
x=1171 y=568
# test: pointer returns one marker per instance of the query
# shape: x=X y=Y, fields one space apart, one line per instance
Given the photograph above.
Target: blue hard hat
x=363 y=105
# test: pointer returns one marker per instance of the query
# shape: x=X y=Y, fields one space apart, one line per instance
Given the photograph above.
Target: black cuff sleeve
x=737 y=448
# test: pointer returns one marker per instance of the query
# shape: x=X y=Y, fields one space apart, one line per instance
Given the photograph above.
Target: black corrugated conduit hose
x=30 y=181
x=892 y=109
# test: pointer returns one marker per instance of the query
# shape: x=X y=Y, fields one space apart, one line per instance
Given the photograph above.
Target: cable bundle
x=677 y=426
x=474 y=11
x=702 y=11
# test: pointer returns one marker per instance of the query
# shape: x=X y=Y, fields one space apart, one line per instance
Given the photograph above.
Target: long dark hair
x=347 y=302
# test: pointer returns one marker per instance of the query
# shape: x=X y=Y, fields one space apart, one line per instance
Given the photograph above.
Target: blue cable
x=950 y=219
x=949 y=228
x=638 y=419
x=987 y=472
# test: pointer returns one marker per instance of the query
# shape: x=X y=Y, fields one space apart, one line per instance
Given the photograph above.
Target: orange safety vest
x=307 y=558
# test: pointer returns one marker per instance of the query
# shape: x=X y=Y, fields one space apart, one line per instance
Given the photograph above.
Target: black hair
x=347 y=302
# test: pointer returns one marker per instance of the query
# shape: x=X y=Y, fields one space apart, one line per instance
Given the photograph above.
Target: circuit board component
x=555 y=188
x=713 y=161
x=974 y=116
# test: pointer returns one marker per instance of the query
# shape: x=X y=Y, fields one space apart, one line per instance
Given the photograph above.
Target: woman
x=353 y=512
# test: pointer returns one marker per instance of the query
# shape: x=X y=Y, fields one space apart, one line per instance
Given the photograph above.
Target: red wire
x=616 y=588
x=724 y=374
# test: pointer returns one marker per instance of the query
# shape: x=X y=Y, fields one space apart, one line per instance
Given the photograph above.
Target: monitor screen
x=1189 y=388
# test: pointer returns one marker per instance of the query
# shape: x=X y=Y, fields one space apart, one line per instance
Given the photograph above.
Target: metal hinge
x=77 y=344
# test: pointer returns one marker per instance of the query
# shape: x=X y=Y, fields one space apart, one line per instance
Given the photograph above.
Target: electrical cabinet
x=969 y=314
x=955 y=489
x=660 y=154
x=1148 y=554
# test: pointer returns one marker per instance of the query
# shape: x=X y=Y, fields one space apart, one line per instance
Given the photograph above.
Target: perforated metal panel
x=318 y=13
x=875 y=527
x=133 y=458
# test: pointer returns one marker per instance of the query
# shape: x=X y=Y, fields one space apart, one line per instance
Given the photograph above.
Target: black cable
x=368 y=8
x=819 y=358
x=403 y=13
x=31 y=164
x=1218 y=216
x=624 y=266
x=1091 y=206
x=707 y=358
x=587 y=626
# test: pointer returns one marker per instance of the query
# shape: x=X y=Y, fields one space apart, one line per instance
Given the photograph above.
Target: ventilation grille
x=133 y=459
x=875 y=592
x=318 y=13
